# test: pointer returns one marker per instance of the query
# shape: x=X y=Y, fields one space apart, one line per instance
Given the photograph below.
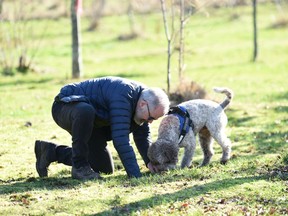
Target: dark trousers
x=89 y=143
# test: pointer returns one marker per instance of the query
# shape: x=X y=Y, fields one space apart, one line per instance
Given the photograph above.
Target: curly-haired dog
x=180 y=127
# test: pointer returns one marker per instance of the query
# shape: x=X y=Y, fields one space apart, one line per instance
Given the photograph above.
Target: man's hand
x=152 y=168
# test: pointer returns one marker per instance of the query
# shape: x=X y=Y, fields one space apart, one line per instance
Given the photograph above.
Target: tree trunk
x=169 y=40
x=181 y=41
x=76 y=40
x=255 y=52
x=1 y=3
x=131 y=18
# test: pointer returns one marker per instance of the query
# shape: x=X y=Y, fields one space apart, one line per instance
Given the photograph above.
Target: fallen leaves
x=22 y=199
x=280 y=172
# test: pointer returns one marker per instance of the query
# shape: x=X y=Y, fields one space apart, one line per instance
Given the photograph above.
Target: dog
x=183 y=123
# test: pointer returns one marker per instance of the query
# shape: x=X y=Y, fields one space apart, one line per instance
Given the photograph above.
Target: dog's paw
x=223 y=162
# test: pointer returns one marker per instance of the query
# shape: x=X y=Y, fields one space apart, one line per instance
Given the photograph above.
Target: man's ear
x=142 y=103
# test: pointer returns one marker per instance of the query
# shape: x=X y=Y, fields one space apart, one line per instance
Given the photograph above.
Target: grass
x=218 y=53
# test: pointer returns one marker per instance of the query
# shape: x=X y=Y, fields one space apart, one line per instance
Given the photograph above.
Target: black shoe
x=85 y=173
x=44 y=152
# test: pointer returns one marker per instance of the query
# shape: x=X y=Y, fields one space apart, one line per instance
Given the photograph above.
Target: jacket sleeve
x=120 y=119
x=142 y=139
x=71 y=93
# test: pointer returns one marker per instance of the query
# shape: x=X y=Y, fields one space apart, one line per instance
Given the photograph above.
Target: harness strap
x=184 y=118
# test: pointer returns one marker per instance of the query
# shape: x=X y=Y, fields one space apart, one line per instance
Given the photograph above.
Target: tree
x=181 y=41
x=1 y=3
x=76 y=39
x=169 y=37
x=255 y=51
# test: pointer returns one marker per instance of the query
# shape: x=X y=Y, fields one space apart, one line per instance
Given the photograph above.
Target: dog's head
x=163 y=155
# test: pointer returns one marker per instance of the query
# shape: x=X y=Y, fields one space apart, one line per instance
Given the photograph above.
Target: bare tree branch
x=181 y=40
x=169 y=37
x=96 y=14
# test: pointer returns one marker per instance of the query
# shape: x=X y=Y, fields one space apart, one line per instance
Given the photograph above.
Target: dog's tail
x=227 y=92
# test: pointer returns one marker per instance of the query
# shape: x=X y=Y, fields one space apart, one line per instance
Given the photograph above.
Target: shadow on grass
x=237 y=118
x=20 y=82
x=280 y=109
x=181 y=195
x=21 y=185
x=270 y=141
x=283 y=96
x=236 y=121
x=123 y=75
x=262 y=142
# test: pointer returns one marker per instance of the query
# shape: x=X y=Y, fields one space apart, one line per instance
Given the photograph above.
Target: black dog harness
x=184 y=118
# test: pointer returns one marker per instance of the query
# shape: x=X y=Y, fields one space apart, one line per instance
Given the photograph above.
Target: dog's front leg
x=188 y=154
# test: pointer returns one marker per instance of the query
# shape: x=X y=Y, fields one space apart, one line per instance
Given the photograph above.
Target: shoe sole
x=84 y=178
x=41 y=172
x=87 y=178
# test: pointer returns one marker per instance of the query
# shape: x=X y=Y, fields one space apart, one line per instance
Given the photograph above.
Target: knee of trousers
x=84 y=114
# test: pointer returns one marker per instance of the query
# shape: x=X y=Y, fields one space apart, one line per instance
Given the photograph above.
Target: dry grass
x=280 y=22
x=187 y=90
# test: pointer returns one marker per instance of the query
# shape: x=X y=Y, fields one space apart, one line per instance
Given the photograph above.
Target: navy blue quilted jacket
x=114 y=100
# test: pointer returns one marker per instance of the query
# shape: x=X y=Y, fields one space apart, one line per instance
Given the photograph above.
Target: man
x=96 y=111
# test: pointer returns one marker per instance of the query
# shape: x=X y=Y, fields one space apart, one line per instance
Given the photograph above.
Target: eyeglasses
x=150 y=118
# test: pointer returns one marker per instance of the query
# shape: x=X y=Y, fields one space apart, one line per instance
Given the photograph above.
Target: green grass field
x=218 y=52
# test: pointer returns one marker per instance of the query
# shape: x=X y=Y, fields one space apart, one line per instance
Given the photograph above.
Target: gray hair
x=156 y=97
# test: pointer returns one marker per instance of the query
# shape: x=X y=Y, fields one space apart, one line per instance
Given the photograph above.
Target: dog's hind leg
x=225 y=144
x=206 y=143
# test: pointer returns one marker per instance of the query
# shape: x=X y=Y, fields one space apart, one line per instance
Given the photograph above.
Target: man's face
x=144 y=113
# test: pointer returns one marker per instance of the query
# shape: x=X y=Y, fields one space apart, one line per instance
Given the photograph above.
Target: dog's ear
x=153 y=153
x=150 y=152
x=161 y=153
x=171 y=154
